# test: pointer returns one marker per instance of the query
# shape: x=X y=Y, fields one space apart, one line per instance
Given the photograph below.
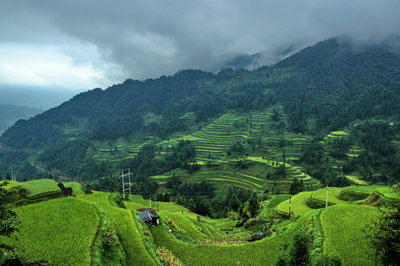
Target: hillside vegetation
x=99 y=228
x=330 y=111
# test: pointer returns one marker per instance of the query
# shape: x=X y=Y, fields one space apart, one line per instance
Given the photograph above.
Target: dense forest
x=332 y=86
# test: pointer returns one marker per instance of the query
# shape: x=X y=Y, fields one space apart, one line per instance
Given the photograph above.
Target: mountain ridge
x=323 y=88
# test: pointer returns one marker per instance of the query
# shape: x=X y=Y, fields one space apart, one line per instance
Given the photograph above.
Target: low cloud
x=97 y=42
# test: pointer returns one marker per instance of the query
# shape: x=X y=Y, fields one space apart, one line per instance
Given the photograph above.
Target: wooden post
x=326 y=199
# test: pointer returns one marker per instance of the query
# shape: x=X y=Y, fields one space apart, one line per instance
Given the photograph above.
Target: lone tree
x=253 y=205
x=385 y=236
x=8 y=221
x=234 y=203
x=299 y=253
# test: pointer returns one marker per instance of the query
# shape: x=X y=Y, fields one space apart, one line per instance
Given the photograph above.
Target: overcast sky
x=82 y=44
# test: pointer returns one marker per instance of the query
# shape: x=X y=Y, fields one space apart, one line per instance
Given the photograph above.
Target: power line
x=126 y=181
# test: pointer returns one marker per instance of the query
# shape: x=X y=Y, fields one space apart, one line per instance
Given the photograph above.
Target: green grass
x=126 y=227
x=65 y=222
x=264 y=252
x=299 y=204
x=333 y=192
x=60 y=231
x=268 y=206
x=39 y=186
x=344 y=227
x=186 y=221
x=356 y=180
x=10 y=184
x=292 y=171
x=76 y=188
x=385 y=190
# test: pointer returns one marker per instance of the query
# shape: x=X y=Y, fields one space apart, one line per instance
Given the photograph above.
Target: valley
x=287 y=164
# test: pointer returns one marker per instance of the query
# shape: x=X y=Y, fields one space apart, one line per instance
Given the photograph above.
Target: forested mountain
x=334 y=85
x=9 y=114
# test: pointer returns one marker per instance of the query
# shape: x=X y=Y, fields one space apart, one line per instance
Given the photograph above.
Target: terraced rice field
x=264 y=252
x=225 y=175
x=10 y=184
x=214 y=140
x=384 y=190
x=293 y=146
x=268 y=206
x=293 y=171
x=298 y=204
x=333 y=192
x=117 y=150
x=185 y=221
x=356 y=180
x=126 y=227
x=60 y=231
x=39 y=186
x=344 y=229
x=337 y=134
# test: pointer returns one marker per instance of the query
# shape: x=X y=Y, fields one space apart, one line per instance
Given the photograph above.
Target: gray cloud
x=148 y=38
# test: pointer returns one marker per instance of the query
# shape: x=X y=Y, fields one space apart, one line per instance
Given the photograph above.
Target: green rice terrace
x=100 y=228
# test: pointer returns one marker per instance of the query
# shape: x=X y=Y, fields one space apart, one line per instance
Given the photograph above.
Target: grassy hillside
x=344 y=229
x=71 y=231
x=60 y=231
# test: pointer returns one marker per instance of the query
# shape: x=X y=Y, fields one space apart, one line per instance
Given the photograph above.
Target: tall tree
x=253 y=205
x=385 y=236
x=234 y=203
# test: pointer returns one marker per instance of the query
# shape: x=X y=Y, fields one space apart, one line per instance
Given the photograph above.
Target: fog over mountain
x=95 y=43
x=35 y=97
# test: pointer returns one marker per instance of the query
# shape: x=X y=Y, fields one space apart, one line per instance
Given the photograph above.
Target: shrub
x=167 y=257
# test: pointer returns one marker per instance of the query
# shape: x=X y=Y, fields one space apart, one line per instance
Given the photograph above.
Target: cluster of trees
x=379 y=161
x=318 y=165
x=8 y=222
x=177 y=187
x=296 y=186
x=147 y=163
x=236 y=148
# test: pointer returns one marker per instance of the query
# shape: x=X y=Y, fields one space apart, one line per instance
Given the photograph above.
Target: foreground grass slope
x=39 y=186
x=126 y=227
x=344 y=227
x=63 y=231
x=60 y=231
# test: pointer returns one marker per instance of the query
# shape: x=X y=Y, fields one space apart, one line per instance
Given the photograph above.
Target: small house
x=67 y=191
x=149 y=216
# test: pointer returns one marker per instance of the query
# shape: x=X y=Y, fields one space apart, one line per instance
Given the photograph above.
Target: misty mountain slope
x=119 y=110
x=323 y=88
x=336 y=83
x=9 y=114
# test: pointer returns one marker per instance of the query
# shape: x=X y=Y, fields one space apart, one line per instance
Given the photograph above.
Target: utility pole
x=326 y=198
x=126 y=181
